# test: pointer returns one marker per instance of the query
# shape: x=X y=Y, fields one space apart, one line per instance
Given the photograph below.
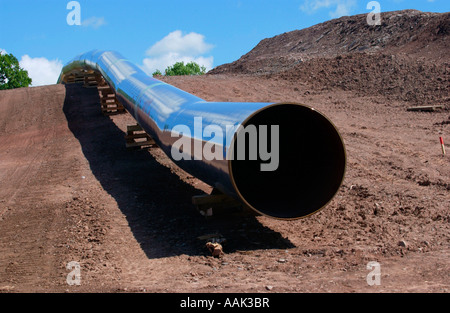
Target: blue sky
x=154 y=34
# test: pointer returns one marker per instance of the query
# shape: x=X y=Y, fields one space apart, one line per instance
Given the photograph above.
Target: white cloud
x=94 y=22
x=41 y=70
x=191 y=43
x=3 y=51
x=341 y=7
x=177 y=47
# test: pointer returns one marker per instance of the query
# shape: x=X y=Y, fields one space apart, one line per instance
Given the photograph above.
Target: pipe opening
x=311 y=163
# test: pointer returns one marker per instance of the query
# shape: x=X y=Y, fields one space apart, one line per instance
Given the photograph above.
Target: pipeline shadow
x=156 y=203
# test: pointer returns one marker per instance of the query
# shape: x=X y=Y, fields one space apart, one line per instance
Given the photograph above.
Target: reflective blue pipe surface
x=163 y=111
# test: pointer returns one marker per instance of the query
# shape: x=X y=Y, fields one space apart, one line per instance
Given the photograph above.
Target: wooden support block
x=91 y=81
x=136 y=137
x=425 y=108
x=140 y=144
x=72 y=79
x=108 y=101
x=109 y=111
x=106 y=94
x=219 y=204
x=134 y=128
x=105 y=90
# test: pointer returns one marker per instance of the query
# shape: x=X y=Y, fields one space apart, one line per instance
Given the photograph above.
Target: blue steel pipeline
x=311 y=157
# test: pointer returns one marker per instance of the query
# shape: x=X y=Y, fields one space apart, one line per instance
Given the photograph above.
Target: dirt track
x=70 y=191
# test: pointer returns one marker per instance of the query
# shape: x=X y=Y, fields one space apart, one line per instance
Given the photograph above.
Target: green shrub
x=157 y=73
x=180 y=68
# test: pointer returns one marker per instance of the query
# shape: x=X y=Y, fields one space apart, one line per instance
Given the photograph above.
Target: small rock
x=269 y=287
x=282 y=260
x=215 y=249
x=403 y=243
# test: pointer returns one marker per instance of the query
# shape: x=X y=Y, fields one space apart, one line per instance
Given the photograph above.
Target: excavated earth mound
x=404 y=58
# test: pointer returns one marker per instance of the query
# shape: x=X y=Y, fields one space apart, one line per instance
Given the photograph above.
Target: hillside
x=406 y=58
x=413 y=32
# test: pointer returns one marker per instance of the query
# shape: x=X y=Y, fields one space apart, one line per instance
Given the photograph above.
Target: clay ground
x=70 y=191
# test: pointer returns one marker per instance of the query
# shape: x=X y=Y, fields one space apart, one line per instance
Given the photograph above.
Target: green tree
x=11 y=75
x=157 y=73
x=180 y=68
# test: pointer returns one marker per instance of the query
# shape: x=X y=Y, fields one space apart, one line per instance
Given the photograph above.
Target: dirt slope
x=70 y=191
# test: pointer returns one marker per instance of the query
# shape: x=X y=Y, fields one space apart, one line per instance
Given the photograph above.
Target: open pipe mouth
x=306 y=168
